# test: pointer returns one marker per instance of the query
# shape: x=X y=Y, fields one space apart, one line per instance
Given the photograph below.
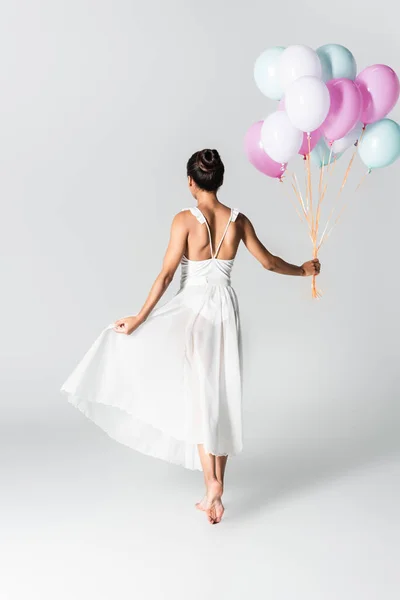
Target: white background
x=102 y=103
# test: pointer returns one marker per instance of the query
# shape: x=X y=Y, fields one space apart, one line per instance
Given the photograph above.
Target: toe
x=211 y=516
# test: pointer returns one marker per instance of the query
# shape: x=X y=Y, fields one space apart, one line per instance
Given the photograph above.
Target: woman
x=171 y=385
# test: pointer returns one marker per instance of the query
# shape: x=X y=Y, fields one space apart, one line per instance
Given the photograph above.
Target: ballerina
x=168 y=380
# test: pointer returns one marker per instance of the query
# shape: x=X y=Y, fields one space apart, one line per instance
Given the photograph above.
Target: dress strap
x=196 y=212
x=223 y=235
x=235 y=213
x=201 y=219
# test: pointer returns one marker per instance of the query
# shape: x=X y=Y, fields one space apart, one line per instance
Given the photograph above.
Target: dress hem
x=193 y=464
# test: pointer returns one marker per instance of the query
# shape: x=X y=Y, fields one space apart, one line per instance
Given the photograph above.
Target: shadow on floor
x=264 y=478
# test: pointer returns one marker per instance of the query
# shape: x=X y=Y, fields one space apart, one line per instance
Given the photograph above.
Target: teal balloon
x=320 y=154
x=337 y=61
x=266 y=72
x=380 y=144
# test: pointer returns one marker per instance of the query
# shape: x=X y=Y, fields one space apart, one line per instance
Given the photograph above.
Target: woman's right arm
x=172 y=259
x=270 y=261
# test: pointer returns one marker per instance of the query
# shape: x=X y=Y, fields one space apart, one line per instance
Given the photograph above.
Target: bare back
x=219 y=227
x=200 y=233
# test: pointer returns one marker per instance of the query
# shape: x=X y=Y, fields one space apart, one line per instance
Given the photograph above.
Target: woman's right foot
x=212 y=504
x=215 y=511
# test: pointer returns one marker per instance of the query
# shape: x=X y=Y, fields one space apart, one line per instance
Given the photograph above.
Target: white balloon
x=296 y=62
x=279 y=138
x=266 y=72
x=348 y=140
x=307 y=103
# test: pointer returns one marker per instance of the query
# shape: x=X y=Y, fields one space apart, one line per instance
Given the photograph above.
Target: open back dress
x=176 y=381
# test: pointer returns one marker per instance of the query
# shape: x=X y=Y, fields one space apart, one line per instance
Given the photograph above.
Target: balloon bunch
x=324 y=109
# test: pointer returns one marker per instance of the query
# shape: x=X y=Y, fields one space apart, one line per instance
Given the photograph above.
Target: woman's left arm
x=176 y=249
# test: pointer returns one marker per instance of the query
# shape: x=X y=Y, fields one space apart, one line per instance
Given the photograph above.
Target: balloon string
x=325 y=168
x=333 y=166
x=345 y=205
x=296 y=209
x=320 y=199
x=309 y=183
x=306 y=186
x=325 y=228
x=330 y=158
x=363 y=179
x=346 y=175
x=299 y=197
x=345 y=178
x=313 y=220
x=321 y=178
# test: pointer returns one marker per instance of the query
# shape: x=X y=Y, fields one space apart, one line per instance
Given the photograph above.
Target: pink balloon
x=257 y=155
x=345 y=109
x=314 y=136
x=380 y=89
x=314 y=139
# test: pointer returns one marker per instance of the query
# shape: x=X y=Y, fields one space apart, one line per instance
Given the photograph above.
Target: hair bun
x=206 y=169
x=209 y=160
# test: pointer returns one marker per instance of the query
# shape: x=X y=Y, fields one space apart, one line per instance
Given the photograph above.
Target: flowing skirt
x=172 y=384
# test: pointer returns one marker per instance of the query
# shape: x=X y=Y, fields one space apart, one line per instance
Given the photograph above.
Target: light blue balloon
x=266 y=72
x=320 y=154
x=337 y=61
x=380 y=144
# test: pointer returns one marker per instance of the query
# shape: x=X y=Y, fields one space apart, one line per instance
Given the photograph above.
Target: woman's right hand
x=311 y=267
x=127 y=325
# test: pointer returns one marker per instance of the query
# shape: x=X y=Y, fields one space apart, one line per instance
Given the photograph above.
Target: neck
x=206 y=198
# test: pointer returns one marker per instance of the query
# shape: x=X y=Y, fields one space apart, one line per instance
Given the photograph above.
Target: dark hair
x=206 y=169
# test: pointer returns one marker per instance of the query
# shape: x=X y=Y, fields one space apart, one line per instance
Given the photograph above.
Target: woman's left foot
x=202 y=505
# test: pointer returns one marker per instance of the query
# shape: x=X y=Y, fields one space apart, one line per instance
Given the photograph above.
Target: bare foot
x=213 y=505
x=202 y=505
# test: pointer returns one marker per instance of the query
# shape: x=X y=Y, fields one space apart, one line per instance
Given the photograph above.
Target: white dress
x=176 y=381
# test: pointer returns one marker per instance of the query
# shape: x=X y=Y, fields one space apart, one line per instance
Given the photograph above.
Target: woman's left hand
x=311 y=267
x=127 y=325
